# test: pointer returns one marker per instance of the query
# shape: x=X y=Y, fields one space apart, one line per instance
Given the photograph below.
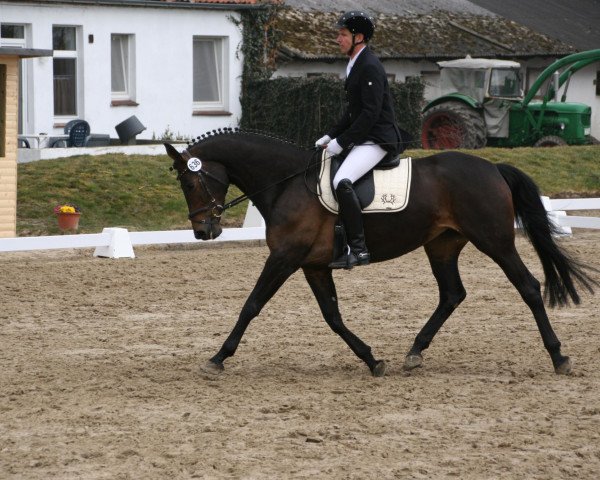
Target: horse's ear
x=171 y=152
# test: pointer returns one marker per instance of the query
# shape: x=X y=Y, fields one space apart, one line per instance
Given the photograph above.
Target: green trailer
x=483 y=103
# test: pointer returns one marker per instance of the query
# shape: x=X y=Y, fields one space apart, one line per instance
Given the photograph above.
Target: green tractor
x=483 y=104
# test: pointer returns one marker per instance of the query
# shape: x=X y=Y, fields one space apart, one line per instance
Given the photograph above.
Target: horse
x=455 y=198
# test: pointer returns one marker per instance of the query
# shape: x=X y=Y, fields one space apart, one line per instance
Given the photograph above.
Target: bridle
x=216 y=209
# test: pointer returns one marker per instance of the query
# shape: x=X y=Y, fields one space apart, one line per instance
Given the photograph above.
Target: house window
x=122 y=61
x=210 y=75
x=64 y=43
x=12 y=35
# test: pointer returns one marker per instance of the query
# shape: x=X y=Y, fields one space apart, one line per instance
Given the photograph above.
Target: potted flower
x=68 y=216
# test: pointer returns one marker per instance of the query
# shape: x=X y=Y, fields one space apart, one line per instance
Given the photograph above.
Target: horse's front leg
x=321 y=283
x=276 y=271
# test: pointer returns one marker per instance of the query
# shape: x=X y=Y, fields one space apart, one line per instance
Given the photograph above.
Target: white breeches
x=359 y=161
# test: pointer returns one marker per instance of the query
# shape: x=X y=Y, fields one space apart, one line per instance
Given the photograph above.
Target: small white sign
x=194 y=164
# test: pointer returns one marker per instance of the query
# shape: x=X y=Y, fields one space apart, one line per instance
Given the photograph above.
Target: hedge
x=303 y=109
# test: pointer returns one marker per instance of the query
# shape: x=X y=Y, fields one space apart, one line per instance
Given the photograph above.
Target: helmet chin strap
x=354 y=44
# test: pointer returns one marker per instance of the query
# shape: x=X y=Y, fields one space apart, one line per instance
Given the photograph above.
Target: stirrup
x=363 y=258
x=349 y=259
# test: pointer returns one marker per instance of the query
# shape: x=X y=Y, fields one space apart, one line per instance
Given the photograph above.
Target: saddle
x=383 y=189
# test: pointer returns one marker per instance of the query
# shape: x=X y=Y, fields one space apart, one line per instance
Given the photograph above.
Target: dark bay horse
x=455 y=198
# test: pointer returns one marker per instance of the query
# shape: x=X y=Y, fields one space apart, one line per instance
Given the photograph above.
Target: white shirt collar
x=353 y=61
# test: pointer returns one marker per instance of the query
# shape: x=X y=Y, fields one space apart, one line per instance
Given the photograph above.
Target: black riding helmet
x=357 y=22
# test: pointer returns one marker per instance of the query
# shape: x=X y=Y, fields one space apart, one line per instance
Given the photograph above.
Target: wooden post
x=9 y=85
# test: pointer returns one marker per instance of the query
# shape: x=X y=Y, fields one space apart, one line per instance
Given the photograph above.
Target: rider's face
x=344 y=40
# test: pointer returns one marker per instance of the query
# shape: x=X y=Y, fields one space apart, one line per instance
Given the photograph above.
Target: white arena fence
x=119 y=242
x=557 y=208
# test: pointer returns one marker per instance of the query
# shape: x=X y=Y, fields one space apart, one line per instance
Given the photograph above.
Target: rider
x=367 y=130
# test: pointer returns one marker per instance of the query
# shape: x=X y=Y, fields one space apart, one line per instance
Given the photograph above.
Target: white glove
x=334 y=148
x=321 y=142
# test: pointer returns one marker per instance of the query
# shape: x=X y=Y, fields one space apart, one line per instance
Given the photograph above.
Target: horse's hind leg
x=529 y=289
x=443 y=252
x=321 y=283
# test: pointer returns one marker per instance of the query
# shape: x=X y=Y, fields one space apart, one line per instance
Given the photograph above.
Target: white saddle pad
x=391 y=188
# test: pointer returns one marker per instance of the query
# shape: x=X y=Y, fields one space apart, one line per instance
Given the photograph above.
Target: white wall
x=582 y=89
x=163 y=39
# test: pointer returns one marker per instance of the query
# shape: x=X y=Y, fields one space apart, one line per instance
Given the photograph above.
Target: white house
x=176 y=66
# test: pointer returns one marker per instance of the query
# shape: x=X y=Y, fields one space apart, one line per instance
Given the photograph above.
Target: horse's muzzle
x=208 y=232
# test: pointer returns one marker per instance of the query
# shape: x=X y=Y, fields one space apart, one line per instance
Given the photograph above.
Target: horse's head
x=204 y=186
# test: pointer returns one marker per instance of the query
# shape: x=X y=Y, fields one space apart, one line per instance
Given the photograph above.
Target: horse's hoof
x=379 y=369
x=212 y=368
x=413 y=360
x=564 y=368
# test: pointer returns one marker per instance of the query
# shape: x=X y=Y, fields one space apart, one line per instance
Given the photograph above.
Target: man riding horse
x=367 y=131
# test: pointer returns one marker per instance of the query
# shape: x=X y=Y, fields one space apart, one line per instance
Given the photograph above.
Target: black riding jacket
x=369 y=112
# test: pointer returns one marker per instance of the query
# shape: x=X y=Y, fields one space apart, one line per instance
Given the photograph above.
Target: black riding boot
x=351 y=215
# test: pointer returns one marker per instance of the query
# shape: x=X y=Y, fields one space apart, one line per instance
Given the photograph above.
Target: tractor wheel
x=453 y=125
x=550 y=141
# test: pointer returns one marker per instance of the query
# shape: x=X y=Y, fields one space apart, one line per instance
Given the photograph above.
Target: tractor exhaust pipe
x=555 y=85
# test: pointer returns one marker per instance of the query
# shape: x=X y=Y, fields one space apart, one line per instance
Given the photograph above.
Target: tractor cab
x=481 y=79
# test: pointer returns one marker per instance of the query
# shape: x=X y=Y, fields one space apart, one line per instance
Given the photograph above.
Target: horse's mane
x=236 y=131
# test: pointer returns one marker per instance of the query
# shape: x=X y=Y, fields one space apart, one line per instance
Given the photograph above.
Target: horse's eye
x=188 y=186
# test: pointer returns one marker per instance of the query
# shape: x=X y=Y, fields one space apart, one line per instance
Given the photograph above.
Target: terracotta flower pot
x=68 y=221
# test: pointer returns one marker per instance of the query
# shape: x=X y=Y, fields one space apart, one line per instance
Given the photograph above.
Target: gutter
x=154 y=4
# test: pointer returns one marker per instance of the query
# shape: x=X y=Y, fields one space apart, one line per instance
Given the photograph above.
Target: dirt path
x=99 y=377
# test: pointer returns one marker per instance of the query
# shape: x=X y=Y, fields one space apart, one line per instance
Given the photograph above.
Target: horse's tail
x=561 y=271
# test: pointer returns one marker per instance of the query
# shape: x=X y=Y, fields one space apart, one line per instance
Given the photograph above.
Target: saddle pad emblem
x=392 y=188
